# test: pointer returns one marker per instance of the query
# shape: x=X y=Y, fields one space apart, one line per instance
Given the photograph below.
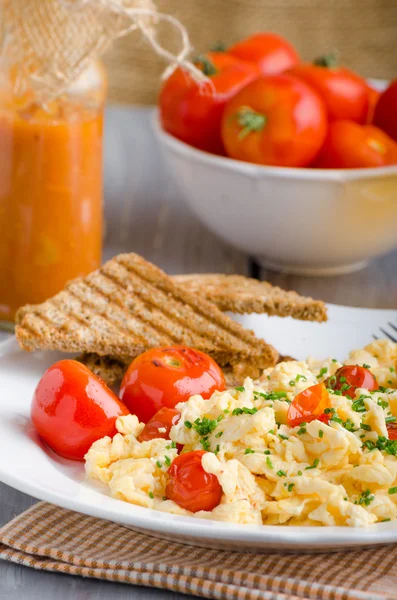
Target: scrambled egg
x=340 y=473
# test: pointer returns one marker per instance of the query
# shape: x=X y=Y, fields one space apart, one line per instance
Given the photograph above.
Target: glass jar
x=50 y=188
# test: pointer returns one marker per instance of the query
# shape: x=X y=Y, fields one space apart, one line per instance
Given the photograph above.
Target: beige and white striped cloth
x=54 y=539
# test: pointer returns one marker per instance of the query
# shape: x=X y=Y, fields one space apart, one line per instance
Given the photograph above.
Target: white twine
x=133 y=13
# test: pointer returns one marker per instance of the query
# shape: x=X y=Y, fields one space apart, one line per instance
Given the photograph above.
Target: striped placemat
x=55 y=539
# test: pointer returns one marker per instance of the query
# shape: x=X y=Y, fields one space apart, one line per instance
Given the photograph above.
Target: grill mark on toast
x=227 y=326
x=137 y=336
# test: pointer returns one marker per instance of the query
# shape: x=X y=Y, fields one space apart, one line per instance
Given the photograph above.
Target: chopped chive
x=314 y=465
x=365 y=427
x=240 y=388
x=167 y=460
x=266 y=452
x=321 y=433
x=290 y=487
x=219 y=434
x=269 y=462
x=392 y=490
x=322 y=372
x=249 y=451
x=300 y=473
x=151 y=495
x=281 y=473
x=390 y=419
x=303 y=377
x=158 y=463
x=366 y=366
x=188 y=424
x=217 y=449
x=282 y=437
x=292 y=383
x=301 y=431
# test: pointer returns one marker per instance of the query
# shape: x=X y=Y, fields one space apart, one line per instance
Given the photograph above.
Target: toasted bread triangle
x=130 y=305
x=240 y=294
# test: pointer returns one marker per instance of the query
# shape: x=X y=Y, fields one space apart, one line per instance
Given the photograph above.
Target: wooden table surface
x=145 y=213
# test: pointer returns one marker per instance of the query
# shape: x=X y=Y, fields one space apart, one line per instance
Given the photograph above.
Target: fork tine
x=393 y=339
x=375 y=336
x=393 y=326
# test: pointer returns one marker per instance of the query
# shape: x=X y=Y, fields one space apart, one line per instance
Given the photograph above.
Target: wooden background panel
x=362 y=31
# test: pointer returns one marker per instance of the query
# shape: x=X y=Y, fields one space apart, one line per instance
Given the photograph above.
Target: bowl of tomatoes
x=294 y=163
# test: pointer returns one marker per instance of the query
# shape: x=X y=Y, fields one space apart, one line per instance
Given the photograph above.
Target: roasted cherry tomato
x=190 y=486
x=159 y=426
x=275 y=120
x=345 y=93
x=352 y=146
x=272 y=53
x=392 y=431
x=309 y=405
x=385 y=115
x=72 y=408
x=191 y=111
x=163 y=377
x=347 y=379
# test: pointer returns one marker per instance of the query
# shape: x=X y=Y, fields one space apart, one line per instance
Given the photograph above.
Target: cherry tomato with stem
x=309 y=405
x=192 y=111
x=163 y=377
x=159 y=426
x=349 y=378
x=344 y=93
x=352 y=146
x=271 y=52
x=385 y=115
x=275 y=120
x=72 y=408
x=190 y=486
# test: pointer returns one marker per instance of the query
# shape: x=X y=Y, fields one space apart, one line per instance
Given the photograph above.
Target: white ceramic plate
x=29 y=466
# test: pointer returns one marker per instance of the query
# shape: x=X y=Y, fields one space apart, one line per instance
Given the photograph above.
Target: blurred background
x=363 y=32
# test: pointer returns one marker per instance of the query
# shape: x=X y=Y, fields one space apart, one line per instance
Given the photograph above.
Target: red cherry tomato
x=72 y=408
x=192 y=112
x=309 y=405
x=164 y=418
x=345 y=93
x=347 y=379
x=166 y=376
x=275 y=120
x=190 y=486
x=352 y=146
x=373 y=97
x=272 y=53
x=385 y=115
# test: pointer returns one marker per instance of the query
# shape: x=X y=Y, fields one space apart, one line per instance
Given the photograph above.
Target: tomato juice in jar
x=50 y=188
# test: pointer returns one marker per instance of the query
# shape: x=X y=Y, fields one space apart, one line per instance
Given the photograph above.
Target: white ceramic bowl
x=305 y=221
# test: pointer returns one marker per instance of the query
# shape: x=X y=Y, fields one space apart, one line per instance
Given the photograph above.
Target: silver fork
x=389 y=330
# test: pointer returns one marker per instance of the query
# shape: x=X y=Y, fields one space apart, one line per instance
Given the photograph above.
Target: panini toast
x=240 y=294
x=130 y=305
